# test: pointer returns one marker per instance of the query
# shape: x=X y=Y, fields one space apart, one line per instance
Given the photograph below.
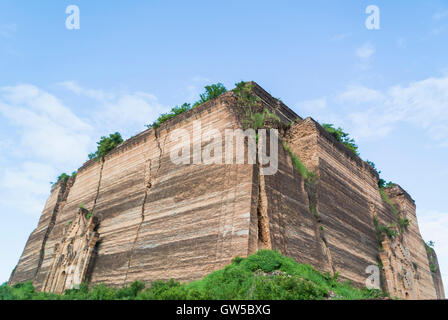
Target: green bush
x=390 y=184
x=105 y=145
x=245 y=97
x=388 y=230
x=211 y=91
x=381 y=182
x=264 y=275
x=167 y=116
x=63 y=177
x=341 y=136
x=383 y=229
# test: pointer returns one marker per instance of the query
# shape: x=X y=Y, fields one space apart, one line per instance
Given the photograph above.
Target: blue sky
x=61 y=89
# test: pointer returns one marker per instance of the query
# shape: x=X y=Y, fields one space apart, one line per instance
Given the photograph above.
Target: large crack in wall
x=93 y=255
x=311 y=189
x=311 y=186
x=98 y=186
x=60 y=203
x=148 y=182
x=264 y=236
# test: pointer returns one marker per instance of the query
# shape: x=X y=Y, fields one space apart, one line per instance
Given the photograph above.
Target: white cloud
x=7 y=30
x=364 y=56
x=43 y=137
x=437 y=30
x=99 y=95
x=314 y=105
x=129 y=112
x=25 y=186
x=372 y=113
x=359 y=95
x=401 y=43
x=440 y=15
x=196 y=86
x=365 y=51
x=341 y=36
x=123 y=112
x=47 y=130
x=438 y=26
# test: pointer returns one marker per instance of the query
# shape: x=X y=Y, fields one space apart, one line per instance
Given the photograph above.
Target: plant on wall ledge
x=341 y=136
x=211 y=92
x=105 y=145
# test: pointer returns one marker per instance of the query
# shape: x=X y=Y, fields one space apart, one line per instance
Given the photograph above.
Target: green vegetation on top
x=401 y=221
x=341 y=136
x=211 y=91
x=64 y=177
x=167 y=116
x=248 y=103
x=381 y=182
x=105 y=145
x=245 y=97
x=264 y=275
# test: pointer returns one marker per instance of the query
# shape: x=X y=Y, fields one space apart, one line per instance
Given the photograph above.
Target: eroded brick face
x=158 y=220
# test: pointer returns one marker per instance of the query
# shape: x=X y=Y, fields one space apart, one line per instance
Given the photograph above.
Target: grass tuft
x=299 y=166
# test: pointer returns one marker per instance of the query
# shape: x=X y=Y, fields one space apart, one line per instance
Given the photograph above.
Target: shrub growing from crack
x=260 y=120
x=382 y=229
x=403 y=223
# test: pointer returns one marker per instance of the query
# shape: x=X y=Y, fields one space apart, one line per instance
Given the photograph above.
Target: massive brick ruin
x=152 y=219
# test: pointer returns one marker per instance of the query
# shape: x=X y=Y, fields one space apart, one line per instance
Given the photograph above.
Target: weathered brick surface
x=159 y=220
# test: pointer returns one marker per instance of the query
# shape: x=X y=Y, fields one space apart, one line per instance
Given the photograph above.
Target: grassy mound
x=264 y=275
